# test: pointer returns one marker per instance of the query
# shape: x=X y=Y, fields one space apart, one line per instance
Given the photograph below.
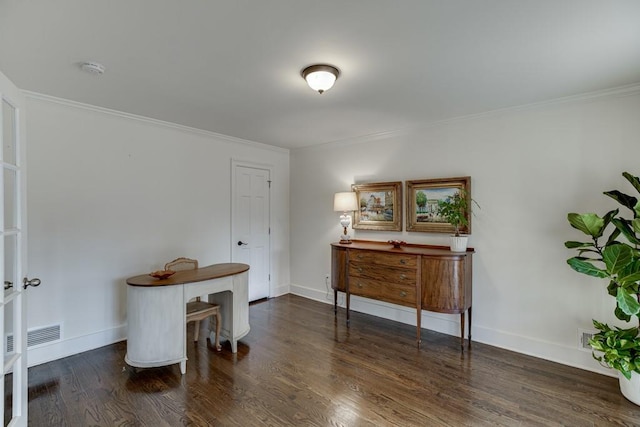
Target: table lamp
x=345 y=202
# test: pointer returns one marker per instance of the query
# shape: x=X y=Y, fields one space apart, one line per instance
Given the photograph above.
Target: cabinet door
x=156 y=325
x=444 y=284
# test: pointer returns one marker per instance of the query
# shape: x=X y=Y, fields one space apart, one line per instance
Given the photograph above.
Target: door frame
x=19 y=365
x=254 y=165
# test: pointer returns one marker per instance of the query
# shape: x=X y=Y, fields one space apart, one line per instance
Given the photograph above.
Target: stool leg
x=197 y=331
x=218 y=325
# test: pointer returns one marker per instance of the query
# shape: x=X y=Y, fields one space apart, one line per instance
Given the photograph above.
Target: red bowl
x=162 y=274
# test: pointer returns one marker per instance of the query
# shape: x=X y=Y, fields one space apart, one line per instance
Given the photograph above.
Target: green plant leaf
x=616 y=257
x=624 y=199
x=621 y=314
x=635 y=223
x=575 y=245
x=628 y=303
x=630 y=274
x=600 y=326
x=612 y=238
x=587 y=268
x=612 y=289
x=634 y=180
x=624 y=227
x=609 y=216
x=589 y=223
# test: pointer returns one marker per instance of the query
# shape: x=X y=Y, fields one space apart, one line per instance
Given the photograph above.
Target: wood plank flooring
x=299 y=366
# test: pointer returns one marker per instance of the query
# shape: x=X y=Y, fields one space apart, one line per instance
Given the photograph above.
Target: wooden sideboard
x=419 y=276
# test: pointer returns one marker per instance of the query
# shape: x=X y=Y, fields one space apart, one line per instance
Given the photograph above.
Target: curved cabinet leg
x=462 y=330
x=469 y=326
x=348 y=307
x=183 y=367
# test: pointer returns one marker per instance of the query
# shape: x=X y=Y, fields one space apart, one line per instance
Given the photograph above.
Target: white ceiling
x=233 y=66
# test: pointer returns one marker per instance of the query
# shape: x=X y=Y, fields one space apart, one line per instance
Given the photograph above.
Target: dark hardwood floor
x=300 y=367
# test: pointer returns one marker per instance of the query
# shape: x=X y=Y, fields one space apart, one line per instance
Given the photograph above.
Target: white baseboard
x=450 y=324
x=278 y=291
x=68 y=347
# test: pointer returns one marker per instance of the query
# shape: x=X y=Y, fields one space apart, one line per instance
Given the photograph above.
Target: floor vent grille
x=36 y=337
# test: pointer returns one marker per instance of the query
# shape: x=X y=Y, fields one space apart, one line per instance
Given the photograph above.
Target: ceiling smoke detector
x=92 y=67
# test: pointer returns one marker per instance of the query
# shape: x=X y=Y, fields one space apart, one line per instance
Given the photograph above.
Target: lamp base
x=345 y=239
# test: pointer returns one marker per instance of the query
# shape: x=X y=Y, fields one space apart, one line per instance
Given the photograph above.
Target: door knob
x=33 y=282
x=241 y=243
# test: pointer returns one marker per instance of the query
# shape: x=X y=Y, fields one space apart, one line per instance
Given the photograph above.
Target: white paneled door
x=250 y=225
x=13 y=259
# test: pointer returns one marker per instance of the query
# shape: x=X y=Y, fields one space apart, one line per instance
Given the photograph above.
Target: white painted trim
x=148 y=120
x=449 y=324
x=280 y=290
x=254 y=165
x=75 y=345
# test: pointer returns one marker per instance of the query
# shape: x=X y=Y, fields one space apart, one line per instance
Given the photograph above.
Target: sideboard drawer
x=390 y=292
x=383 y=258
x=382 y=273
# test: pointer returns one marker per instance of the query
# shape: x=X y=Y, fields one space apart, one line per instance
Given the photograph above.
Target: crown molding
x=156 y=122
x=620 y=91
x=616 y=92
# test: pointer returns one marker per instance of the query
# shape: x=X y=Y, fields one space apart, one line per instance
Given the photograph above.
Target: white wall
x=111 y=196
x=529 y=168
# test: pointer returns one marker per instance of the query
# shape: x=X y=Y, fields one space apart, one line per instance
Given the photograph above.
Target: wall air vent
x=36 y=337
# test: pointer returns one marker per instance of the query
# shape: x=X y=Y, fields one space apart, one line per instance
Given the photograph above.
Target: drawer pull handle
x=403 y=294
x=359 y=256
x=403 y=261
x=403 y=276
x=359 y=269
x=360 y=285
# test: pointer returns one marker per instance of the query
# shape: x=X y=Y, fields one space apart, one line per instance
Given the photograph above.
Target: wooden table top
x=407 y=248
x=201 y=274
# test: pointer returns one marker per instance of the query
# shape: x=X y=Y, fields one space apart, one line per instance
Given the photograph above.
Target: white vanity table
x=156 y=312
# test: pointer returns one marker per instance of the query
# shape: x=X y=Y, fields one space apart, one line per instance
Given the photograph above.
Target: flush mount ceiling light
x=320 y=77
x=92 y=67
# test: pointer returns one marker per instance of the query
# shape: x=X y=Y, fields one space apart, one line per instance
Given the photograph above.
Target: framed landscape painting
x=380 y=206
x=422 y=203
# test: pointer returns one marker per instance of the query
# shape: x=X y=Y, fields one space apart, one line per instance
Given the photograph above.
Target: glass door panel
x=10 y=201
x=8 y=133
x=11 y=279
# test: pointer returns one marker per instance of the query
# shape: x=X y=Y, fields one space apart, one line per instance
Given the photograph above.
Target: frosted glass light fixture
x=345 y=202
x=320 y=77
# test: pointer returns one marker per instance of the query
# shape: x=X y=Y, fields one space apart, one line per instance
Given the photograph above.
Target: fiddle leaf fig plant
x=617 y=260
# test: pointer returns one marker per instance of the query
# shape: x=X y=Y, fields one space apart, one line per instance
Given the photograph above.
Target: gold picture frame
x=422 y=203
x=379 y=206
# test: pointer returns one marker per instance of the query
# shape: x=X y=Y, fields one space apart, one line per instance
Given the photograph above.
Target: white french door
x=250 y=227
x=13 y=256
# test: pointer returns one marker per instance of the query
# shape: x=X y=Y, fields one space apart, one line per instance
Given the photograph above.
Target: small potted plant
x=455 y=210
x=617 y=260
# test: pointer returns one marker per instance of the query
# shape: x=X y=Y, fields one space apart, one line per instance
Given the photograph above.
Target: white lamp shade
x=345 y=201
